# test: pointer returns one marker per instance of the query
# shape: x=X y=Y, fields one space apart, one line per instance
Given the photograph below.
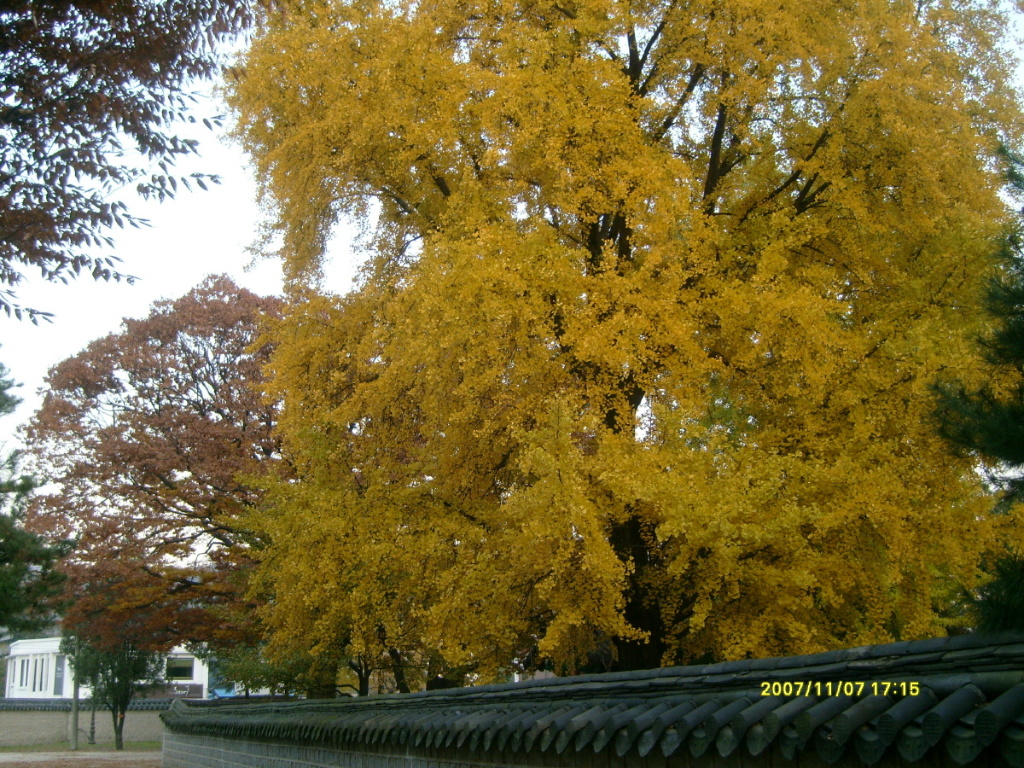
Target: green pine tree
x=990 y=425
x=28 y=580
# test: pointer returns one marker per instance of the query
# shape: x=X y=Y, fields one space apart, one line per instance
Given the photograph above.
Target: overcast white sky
x=197 y=234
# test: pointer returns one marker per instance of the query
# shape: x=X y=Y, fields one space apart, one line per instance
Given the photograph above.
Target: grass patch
x=63 y=746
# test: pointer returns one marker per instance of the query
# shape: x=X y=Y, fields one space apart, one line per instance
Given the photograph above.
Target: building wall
x=36 y=669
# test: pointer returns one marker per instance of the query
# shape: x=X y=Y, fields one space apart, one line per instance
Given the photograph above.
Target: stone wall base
x=181 y=751
x=196 y=751
x=26 y=727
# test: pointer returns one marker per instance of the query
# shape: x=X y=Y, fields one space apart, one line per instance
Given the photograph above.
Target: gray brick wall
x=191 y=751
x=23 y=728
x=194 y=751
x=212 y=752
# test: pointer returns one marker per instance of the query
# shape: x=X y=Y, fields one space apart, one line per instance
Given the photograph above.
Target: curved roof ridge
x=960 y=695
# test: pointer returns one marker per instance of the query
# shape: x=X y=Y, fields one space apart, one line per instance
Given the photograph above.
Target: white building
x=36 y=669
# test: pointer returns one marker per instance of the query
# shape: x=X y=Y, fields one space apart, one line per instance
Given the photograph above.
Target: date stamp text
x=839 y=688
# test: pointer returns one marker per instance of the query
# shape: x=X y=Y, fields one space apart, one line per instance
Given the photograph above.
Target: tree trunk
x=118 y=728
x=92 y=717
x=630 y=544
x=363 y=672
x=74 y=710
x=398 y=669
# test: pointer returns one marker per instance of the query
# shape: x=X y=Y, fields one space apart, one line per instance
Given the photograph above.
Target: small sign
x=58 y=677
x=176 y=691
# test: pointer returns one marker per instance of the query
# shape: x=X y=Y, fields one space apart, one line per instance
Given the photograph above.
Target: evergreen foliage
x=28 y=579
x=987 y=423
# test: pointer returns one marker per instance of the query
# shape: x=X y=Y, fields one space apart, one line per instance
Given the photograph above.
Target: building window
x=38 y=673
x=23 y=679
x=180 y=669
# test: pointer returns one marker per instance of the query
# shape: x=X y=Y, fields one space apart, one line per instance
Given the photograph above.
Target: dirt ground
x=80 y=759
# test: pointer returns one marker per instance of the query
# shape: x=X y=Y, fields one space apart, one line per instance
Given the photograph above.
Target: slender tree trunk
x=118 y=728
x=74 y=707
x=92 y=717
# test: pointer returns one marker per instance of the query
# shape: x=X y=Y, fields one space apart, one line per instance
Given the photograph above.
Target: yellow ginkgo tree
x=638 y=369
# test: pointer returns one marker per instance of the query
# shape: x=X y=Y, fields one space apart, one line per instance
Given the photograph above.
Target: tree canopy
x=987 y=423
x=638 y=369
x=90 y=91
x=116 y=673
x=146 y=437
x=28 y=579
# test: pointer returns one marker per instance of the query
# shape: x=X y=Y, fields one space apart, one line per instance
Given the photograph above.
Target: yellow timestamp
x=839 y=688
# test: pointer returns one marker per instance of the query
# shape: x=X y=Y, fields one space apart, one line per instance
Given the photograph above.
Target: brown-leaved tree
x=90 y=91
x=146 y=438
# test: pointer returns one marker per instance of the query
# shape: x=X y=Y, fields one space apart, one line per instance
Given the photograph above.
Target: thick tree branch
x=666 y=125
x=715 y=161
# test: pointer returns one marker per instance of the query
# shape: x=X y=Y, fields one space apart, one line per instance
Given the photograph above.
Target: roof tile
x=971 y=700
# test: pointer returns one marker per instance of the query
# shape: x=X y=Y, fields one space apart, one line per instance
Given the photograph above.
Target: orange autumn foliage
x=638 y=367
x=145 y=437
